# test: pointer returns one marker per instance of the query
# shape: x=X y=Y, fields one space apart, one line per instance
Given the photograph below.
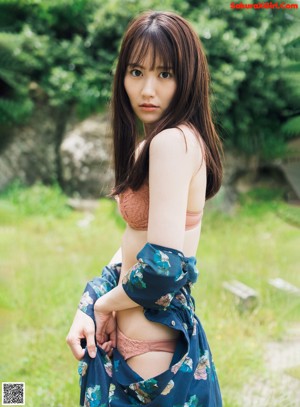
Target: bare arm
x=170 y=172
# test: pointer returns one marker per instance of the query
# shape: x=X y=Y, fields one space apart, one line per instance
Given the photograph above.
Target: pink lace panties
x=132 y=347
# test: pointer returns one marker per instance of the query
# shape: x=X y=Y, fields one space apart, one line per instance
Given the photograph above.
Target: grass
x=46 y=258
x=294 y=372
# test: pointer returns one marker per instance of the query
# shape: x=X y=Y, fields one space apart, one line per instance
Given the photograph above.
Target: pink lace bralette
x=129 y=347
x=134 y=208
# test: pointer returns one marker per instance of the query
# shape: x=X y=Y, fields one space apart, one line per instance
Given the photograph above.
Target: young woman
x=151 y=348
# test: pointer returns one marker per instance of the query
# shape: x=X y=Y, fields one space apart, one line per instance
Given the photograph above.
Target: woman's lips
x=148 y=107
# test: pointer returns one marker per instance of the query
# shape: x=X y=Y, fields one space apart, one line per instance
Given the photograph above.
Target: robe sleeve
x=159 y=273
x=99 y=286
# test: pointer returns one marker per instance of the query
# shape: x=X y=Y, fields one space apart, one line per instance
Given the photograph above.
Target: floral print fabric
x=161 y=283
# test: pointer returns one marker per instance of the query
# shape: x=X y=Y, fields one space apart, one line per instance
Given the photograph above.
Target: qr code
x=13 y=394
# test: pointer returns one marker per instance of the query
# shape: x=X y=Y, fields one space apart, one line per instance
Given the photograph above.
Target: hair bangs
x=158 y=45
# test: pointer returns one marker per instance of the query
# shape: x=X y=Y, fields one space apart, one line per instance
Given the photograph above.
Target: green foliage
x=15 y=104
x=67 y=50
x=291 y=77
x=294 y=372
x=14 y=110
x=292 y=126
x=246 y=49
x=37 y=200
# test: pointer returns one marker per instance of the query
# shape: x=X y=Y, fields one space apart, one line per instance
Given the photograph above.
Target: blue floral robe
x=161 y=283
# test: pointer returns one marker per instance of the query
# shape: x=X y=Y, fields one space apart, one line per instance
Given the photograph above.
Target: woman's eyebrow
x=167 y=67
x=132 y=64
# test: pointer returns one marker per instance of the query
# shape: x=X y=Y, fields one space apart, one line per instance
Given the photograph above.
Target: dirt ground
x=276 y=387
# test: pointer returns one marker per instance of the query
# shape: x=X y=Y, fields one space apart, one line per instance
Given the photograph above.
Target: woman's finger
x=113 y=338
x=107 y=347
x=90 y=343
x=75 y=346
x=101 y=337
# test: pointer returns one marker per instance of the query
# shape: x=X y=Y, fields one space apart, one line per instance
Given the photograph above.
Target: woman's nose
x=148 y=87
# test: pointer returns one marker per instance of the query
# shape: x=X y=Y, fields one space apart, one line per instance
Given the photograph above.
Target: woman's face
x=150 y=91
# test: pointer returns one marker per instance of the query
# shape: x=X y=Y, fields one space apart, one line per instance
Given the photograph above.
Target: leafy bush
x=36 y=200
x=246 y=50
x=291 y=76
x=66 y=51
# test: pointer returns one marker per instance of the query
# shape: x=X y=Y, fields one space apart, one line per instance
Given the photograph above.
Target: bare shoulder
x=180 y=143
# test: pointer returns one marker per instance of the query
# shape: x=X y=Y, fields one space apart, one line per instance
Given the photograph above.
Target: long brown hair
x=171 y=38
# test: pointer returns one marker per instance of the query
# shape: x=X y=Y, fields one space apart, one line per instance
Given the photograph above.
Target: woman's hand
x=106 y=327
x=83 y=327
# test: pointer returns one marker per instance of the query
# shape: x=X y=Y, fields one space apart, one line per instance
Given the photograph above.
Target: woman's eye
x=165 y=75
x=136 y=73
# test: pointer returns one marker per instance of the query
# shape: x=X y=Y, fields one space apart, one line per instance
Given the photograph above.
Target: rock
x=86 y=156
x=236 y=166
x=52 y=146
x=246 y=297
x=284 y=286
x=29 y=151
